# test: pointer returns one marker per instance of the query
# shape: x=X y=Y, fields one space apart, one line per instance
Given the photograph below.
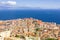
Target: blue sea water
x=44 y=15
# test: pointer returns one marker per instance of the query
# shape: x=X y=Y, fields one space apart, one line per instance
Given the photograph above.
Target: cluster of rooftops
x=30 y=26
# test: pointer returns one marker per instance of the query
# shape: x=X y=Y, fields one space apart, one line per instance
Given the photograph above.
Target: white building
x=4 y=34
x=1 y=38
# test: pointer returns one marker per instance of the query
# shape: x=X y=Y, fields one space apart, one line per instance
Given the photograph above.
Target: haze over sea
x=47 y=15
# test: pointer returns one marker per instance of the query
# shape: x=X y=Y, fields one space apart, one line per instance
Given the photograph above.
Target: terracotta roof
x=39 y=22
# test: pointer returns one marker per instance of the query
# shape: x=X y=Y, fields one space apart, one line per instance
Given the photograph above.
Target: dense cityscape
x=29 y=29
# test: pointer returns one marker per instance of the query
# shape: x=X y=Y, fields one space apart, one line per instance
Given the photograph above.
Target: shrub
x=50 y=39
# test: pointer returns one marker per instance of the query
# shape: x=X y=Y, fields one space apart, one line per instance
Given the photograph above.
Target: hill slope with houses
x=30 y=27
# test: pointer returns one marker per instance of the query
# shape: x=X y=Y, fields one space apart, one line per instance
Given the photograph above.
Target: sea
x=46 y=15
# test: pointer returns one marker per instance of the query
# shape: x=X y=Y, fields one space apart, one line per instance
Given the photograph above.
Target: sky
x=43 y=4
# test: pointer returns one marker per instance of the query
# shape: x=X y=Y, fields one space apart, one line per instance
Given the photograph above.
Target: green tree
x=50 y=39
x=37 y=32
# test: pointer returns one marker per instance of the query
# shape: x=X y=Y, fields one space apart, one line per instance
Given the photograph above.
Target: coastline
x=28 y=28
